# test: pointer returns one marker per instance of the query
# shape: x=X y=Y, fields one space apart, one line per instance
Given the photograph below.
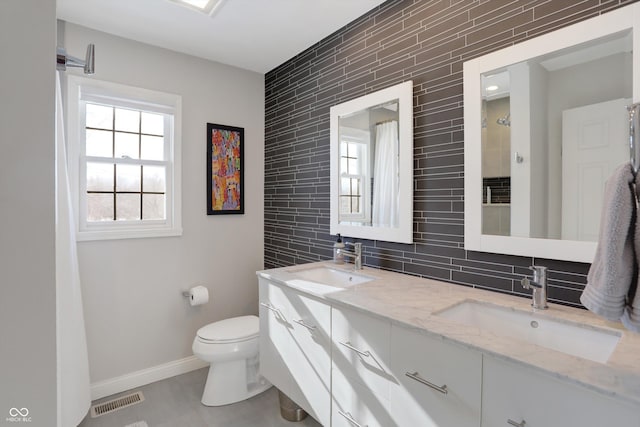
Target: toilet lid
x=233 y=329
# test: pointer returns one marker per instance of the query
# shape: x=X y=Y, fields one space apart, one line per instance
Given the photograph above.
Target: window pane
x=99 y=207
x=99 y=177
x=355 y=187
x=152 y=123
x=99 y=143
x=127 y=145
x=345 y=205
x=343 y=166
x=153 y=206
x=99 y=116
x=354 y=166
x=152 y=147
x=355 y=205
x=127 y=120
x=127 y=178
x=153 y=178
x=127 y=207
x=345 y=186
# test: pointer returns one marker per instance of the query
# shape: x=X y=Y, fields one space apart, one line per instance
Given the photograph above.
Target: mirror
x=545 y=125
x=372 y=166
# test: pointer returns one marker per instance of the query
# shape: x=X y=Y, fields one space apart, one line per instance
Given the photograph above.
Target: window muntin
x=126 y=166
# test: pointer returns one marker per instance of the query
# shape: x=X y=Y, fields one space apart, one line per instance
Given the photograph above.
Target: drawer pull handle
x=352 y=348
x=301 y=323
x=417 y=377
x=272 y=308
x=350 y=419
x=515 y=424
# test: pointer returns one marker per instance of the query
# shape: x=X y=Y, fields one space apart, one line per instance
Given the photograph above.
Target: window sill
x=87 y=236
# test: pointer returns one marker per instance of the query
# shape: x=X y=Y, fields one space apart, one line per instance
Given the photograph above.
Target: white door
x=595 y=140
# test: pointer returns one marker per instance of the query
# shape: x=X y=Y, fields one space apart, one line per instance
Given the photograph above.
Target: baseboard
x=126 y=382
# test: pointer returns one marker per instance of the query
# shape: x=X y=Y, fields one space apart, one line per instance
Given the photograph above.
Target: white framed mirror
x=372 y=166
x=545 y=126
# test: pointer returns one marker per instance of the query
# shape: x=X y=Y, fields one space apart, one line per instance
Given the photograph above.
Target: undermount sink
x=590 y=343
x=323 y=280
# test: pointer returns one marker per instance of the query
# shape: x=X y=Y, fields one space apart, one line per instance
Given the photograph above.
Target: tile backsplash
x=423 y=41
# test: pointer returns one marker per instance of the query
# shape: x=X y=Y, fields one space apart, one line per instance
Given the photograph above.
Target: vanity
x=377 y=348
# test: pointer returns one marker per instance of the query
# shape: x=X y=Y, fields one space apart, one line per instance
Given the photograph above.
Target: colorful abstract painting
x=224 y=169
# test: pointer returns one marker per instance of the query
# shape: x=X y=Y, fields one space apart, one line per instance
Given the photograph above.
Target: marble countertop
x=412 y=302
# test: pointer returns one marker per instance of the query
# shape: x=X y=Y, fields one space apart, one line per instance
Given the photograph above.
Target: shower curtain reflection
x=74 y=396
x=385 y=180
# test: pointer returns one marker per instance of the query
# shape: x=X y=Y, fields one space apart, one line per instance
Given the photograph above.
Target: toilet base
x=227 y=383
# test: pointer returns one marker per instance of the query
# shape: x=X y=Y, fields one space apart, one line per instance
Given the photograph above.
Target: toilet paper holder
x=186 y=294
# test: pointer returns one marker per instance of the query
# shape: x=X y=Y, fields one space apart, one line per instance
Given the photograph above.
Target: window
x=124 y=158
x=354 y=176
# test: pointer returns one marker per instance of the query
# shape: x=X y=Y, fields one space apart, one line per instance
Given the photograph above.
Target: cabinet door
x=275 y=335
x=361 y=349
x=439 y=384
x=310 y=355
x=515 y=395
x=360 y=370
x=295 y=347
x=354 y=404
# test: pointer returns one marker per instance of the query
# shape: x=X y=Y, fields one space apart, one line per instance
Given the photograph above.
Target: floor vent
x=116 y=404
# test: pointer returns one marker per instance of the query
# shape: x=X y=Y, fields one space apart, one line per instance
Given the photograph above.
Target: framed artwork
x=225 y=186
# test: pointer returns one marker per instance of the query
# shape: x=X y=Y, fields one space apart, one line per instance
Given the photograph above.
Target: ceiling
x=256 y=35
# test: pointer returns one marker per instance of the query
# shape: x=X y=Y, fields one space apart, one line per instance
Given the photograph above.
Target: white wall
x=135 y=314
x=27 y=210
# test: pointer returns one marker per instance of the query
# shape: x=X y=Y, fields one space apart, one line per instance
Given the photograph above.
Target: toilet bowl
x=231 y=347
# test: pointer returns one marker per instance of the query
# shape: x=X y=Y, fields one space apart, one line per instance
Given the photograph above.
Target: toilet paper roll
x=198 y=295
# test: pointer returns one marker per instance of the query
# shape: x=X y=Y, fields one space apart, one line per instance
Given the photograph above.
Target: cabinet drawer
x=360 y=349
x=355 y=404
x=438 y=383
x=517 y=393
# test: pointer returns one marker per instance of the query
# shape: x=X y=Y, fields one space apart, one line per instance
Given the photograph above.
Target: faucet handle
x=539 y=274
x=527 y=284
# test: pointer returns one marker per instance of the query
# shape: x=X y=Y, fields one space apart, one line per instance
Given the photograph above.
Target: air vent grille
x=116 y=404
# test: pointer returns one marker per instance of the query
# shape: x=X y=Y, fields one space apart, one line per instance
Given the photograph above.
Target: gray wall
x=426 y=42
x=27 y=240
x=135 y=314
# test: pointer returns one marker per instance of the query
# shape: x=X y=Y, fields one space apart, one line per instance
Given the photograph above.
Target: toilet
x=231 y=347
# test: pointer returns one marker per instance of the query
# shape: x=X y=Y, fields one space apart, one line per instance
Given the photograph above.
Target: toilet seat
x=236 y=329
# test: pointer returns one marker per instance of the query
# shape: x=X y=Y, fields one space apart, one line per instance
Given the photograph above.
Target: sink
x=322 y=280
x=590 y=343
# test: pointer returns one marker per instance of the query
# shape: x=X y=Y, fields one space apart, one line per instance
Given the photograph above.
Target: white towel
x=631 y=316
x=613 y=269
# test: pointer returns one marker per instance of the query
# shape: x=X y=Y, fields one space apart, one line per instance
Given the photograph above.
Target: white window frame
x=81 y=90
x=361 y=137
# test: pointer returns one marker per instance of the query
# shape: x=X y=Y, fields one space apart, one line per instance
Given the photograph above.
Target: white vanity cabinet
x=295 y=348
x=438 y=383
x=361 y=377
x=515 y=395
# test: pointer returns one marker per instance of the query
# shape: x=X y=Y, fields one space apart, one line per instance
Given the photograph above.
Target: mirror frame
x=624 y=18
x=403 y=92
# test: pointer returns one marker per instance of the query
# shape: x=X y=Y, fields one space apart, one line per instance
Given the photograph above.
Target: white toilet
x=231 y=347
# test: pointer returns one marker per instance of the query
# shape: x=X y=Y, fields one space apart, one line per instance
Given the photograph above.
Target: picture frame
x=225 y=169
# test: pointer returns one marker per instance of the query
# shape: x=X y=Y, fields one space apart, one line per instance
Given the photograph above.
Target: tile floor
x=175 y=402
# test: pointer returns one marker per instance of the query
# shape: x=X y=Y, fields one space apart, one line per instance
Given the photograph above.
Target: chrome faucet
x=538 y=284
x=356 y=255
